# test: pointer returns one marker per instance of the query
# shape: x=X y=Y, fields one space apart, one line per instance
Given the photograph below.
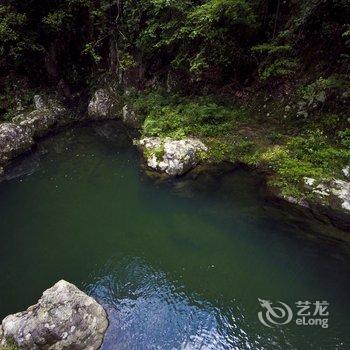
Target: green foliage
x=178 y=116
x=276 y=63
x=11 y=23
x=203 y=41
x=11 y=345
x=234 y=151
x=126 y=61
x=90 y=49
x=325 y=101
x=271 y=48
x=311 y=155
x=15 y=41
x=345 y=138
x=309 y=91
x=279 y=68
x=56 y=20
x=192 y=34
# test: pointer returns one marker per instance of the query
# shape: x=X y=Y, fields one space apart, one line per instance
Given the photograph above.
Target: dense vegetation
x=264 y=82
x=229 y=43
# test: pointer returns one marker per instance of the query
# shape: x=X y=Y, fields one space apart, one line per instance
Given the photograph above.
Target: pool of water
x=177 y=264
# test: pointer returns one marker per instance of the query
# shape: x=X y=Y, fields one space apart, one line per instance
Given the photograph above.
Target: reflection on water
x=144 y=307
x=178 y=264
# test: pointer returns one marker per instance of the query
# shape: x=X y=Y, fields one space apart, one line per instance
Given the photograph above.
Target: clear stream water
x=178 y=264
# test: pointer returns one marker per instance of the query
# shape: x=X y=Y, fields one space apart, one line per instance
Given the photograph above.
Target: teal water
x=178 y=264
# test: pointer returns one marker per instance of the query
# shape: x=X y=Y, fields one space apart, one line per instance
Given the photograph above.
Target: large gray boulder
x=103 y=105
x=174 y=157
x=63 y=318
x=48 y=114
x=14 y=140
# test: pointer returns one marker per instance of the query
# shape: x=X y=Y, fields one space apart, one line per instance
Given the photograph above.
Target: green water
x=177 y=264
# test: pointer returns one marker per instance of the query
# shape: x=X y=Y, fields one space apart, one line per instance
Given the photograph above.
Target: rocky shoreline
x=330 y=199
x=65 y=317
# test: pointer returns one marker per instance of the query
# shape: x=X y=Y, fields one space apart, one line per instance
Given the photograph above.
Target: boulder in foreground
x=63 y=318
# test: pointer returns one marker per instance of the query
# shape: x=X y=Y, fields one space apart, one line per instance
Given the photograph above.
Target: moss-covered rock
x=174 y=157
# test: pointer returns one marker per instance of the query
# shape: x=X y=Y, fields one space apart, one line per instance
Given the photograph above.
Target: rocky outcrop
x=47 y=115
x=327 y=201
x=63 y=318
x=14 y=140
x=334 y=193
x=103 y=105
x=18 y=136
x=174 y=157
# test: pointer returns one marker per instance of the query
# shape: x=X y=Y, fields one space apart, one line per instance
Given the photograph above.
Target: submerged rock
x=103 y=105
x=14 y=140
x=63 y=318
x=174 y=157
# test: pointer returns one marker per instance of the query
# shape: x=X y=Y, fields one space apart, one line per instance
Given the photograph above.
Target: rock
x=63 y=318
x=42 y=120
x=341 y=191
x=14 y=140
x=37 y=123
x=39 y=102
x=298 y=201
x=17 y=137
x=174 y=157
x=334 y=193
x=130 y=117
x=19 y=105
x=346 y=171
x=103 y=105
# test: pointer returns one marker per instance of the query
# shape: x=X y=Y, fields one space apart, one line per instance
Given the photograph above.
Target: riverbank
x=303 y=163
x=302 y=166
